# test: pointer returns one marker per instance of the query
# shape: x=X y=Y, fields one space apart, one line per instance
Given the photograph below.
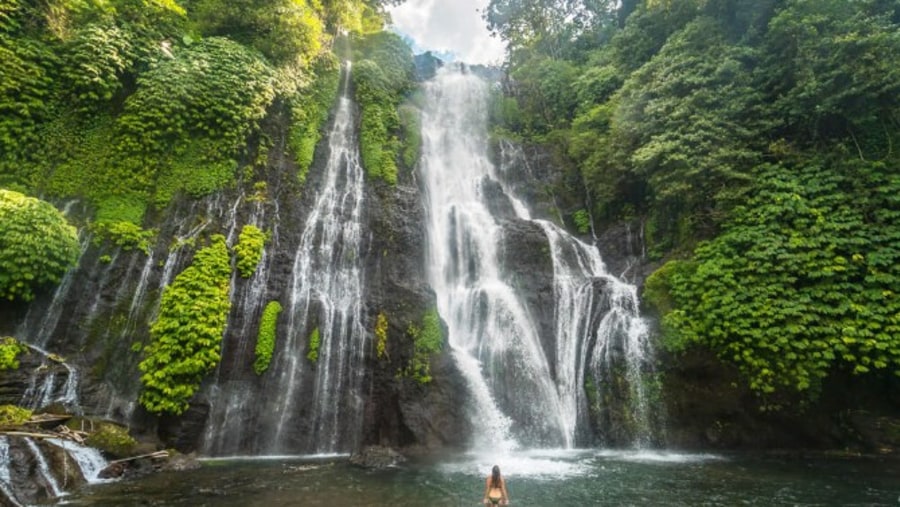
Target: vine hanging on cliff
x=187 y=335
x=249 y=250
x=265 y=341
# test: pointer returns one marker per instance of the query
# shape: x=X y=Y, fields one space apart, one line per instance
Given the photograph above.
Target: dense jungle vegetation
x=128 y=105
x=756 y=140
x=753 y=139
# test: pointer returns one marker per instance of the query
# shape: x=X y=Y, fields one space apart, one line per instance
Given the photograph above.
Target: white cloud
x=448 y=26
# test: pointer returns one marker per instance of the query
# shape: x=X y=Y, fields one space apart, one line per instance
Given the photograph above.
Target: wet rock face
x=433 y=412
x=377 y=457
x=399 y=410
x=622 y=248
x=183 y=432
x=709 y=407
x=526 y=259
x=38 y=472
x=14 y=383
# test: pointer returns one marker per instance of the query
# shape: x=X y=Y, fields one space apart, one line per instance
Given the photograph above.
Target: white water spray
x=521 y=396
x=492 y=334
x=326 y=294
x=51 y=483
x=88 y=459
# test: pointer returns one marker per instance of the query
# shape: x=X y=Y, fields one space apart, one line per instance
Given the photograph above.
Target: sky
x=451 y=29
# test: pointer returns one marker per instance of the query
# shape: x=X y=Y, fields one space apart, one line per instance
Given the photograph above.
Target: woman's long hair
x=495 y=477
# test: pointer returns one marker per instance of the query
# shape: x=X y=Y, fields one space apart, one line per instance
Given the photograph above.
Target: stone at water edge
x=376 y=456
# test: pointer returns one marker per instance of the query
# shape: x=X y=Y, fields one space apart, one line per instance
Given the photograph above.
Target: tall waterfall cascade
x=326 y=294
x=312 y=400
x=523 y=395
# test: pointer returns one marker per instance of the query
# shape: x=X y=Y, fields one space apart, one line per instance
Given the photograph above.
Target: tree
x=548 y=26
x=284 y=30
x=831 y=69
x=37 y=245
x=678 y=129
x=803 y=279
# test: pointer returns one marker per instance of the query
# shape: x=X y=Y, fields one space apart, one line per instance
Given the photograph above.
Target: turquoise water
x=539 y=478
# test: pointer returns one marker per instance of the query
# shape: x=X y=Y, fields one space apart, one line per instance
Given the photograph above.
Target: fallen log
x=74 y=435
x=152 y=455
x=46 y=421
x=28 y=434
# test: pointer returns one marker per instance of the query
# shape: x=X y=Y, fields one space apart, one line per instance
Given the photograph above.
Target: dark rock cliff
x=399 y=410
x=100 y=319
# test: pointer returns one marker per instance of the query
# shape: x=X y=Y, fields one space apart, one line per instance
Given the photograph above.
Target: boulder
x=375 y=456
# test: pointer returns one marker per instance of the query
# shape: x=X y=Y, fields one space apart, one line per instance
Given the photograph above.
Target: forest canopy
x=755 y=141
x=129 y=103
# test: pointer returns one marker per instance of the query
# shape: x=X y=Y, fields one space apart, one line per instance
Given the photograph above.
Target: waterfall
x=6 y=485
x=88 y=459
x=49 y=318
x=326 y=294
x=305 y=405
x=43 y=469
x=491 y=333
x=44 y=388
x=232 y=400
x=524 y=394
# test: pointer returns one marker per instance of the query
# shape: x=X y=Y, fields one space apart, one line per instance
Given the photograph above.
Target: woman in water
x=495 y=489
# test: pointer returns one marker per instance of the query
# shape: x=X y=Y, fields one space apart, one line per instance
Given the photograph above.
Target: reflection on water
x=535 y=478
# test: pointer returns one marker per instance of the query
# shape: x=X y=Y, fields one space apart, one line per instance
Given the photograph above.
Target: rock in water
x=376 y=456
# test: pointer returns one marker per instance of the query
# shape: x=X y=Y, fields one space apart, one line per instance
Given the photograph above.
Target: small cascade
x=89 y=460
x=596 y=330
x=231 y=397
x=102 y=274
x=598 y=326
x=47 y=319
x=32 y=471
x=52 y=485
x=138 y=297
x=575 y=265
x=326 y=293
x=528 y=395
x=55 y=381
x=6 y=485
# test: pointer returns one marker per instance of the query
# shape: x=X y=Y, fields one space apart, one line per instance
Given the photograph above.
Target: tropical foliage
x=265 y=340
x=10 y=349
x=313 y=348
x=249 y=249
x=130 y=103
x=112 y=439
x=11 y=415
x=187 y=335
x=309 y=111
x=383 y=76
x=428 y=339
x=37 y=245
x=755 y=141
x=381 y=330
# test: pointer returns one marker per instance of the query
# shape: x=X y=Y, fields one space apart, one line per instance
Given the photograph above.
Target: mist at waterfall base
x=560 y=478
